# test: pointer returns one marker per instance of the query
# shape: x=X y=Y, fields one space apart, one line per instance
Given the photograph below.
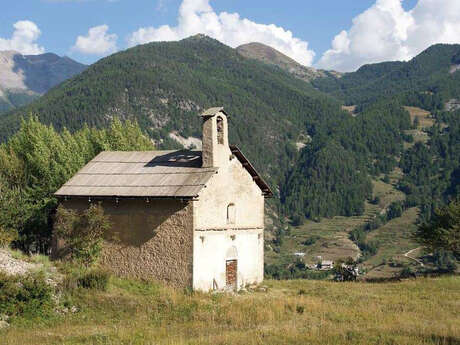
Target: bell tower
x=216 y=151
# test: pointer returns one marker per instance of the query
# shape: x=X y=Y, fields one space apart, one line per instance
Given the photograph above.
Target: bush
x=444 y=260
x=83 y=233
x=6 y=237
x=97 y=279
x=298 y=220
x=407 y=272
x=311 y=240
x=28 y=295
x=376 y=200
x=293 y=270
x=395 y=210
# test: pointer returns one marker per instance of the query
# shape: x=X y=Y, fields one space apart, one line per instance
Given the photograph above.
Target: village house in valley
x=190 y=218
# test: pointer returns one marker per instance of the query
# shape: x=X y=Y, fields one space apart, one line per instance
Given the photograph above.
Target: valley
x=336 y=177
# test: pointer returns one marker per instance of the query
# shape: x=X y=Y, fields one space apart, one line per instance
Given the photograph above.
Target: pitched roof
x=266 y=191
x=163 y=174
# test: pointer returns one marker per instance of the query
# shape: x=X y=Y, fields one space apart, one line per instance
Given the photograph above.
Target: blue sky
x=323 y=32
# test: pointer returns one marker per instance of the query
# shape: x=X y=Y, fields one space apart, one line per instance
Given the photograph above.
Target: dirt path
x=407 y=255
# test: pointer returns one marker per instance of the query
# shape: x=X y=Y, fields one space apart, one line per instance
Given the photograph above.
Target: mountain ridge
x=432 y=71
x=269 y=55
x=24 y=78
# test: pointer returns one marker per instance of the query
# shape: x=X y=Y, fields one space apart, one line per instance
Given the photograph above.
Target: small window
x=231 y=214
x=220 y=130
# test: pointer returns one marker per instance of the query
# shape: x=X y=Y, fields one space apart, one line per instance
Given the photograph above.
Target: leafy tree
x=344 y=270
x=37 y=160
x=443 y=231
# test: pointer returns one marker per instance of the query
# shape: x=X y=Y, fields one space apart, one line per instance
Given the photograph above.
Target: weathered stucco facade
x=154 y=240
x=188 y=218
x=217 y=236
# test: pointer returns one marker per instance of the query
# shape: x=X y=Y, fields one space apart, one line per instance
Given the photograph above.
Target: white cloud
x=97 y=42
x=197 y=16
x=23 y=39
x=386 y=31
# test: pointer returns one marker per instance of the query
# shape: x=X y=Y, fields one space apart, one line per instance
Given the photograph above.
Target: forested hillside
x=165 y=85
x=331 y=176
x=414 y=166
x=373 y=165
x=429 y=79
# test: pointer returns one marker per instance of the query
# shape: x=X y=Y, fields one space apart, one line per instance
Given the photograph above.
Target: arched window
x=231 y=214
x=220 y=130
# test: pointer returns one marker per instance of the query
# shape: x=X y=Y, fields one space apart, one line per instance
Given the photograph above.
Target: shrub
x=78 y=277
x=444 y=260
x=395 y=210
x=298 y=220
x=7 y=236
x=407 y=272
x=376 y=200
x=311 y=240
x=28 y=295
x=94 y=279
x=83 y=233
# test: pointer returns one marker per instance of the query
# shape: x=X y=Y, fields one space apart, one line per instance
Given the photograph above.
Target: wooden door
x=231 y=273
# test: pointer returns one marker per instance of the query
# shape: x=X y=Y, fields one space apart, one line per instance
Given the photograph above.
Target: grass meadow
x=419 y=311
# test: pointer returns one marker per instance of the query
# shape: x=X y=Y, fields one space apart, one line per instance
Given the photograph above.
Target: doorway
x=231 y=269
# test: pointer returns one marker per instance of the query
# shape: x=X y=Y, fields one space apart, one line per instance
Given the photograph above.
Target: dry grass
x=394 y=239
x=422 y=311
x=424 y=117
x=386 y=192
x=425 y=121
x=418 y=135
x=350 y=108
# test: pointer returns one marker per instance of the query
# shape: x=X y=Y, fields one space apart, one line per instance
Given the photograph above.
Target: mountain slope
x=271 y=56
x=434 y=71
x=24 y=77
x=165 y=85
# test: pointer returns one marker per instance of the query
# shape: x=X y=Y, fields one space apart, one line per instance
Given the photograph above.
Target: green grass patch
x=289 y=312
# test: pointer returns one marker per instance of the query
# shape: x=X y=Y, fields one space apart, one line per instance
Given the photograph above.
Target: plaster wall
x=154 y=240
x=213 y=248
x=216 y=240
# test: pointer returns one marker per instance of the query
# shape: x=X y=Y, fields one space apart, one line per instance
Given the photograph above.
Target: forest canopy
x=37 y=160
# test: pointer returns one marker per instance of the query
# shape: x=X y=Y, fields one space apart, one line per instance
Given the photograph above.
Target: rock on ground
x=12 y=266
